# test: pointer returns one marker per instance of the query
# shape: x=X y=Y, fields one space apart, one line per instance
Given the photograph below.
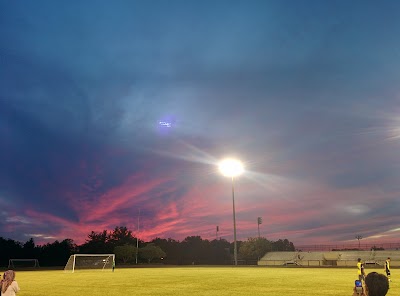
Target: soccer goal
x=23 y=263
x=90 y=261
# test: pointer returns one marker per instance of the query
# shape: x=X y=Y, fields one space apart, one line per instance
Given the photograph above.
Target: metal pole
x=137 y=238
x=234 y=226
x=258 y=224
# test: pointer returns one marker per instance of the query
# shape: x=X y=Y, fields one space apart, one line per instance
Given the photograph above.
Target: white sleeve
x=15 y=286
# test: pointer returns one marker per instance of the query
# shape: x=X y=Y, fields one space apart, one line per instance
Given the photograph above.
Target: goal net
x=90 y=261
x=23 y=263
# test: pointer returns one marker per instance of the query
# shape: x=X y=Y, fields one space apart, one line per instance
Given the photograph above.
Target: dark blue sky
x=305 y=93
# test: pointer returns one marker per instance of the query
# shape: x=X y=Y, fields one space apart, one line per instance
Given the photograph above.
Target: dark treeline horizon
x=191 y=250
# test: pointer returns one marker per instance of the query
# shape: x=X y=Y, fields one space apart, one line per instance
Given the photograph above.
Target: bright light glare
x=164 y=123
x=231 y=167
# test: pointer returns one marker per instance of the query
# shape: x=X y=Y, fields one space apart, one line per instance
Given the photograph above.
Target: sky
x=118 y=113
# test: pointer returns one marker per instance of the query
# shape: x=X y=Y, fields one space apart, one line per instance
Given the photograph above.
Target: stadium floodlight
x=90 y=261
x=232 y=168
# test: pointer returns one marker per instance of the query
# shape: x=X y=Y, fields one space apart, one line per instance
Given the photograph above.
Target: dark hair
x=359 y=259
x=377 y=284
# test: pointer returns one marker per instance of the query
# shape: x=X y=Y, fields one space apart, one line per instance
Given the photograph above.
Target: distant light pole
x=259 y=221
x=137 y=239
x=359 y=237
x=232 y=168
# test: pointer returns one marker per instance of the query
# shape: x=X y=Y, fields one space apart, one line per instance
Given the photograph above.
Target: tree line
x=130 y=250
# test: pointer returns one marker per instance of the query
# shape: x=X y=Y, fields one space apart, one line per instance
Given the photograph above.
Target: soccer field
x=194 y=281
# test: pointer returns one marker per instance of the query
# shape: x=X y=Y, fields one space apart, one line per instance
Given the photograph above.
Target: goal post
x=23 y=263
x=90 y=261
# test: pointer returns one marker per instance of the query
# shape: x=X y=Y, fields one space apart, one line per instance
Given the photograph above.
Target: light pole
x=359 y=237
x=259 y=221
x=232 y=168
x=137 y=238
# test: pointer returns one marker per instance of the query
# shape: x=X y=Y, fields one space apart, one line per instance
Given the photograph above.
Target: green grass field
x=218 y=281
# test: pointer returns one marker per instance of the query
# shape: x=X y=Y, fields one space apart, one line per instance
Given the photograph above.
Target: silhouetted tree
x=220 y=251
x=172 y=248
x=29 y=250
x=254 y=248
x=97 y=243
x=9 y=249
x=195 y=250
x=57 y=253
x=150 y=252
x=121 y=236
x=125 y=253
x=283 y=245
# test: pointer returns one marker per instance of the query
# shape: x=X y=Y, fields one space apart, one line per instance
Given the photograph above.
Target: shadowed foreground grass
x=218 y=281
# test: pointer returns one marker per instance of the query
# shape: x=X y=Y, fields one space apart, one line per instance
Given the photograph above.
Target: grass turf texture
x=194 y=281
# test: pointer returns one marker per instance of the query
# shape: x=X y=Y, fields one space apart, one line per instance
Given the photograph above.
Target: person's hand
x=358 y=294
